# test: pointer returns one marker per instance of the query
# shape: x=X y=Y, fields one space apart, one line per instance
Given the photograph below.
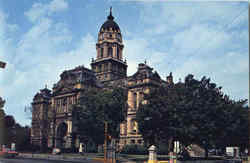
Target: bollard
x=152 y=154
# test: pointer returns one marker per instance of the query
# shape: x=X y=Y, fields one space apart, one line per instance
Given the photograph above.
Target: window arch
x=110 y=51
x=134 y=99
x=117 y=52
x=101 y=52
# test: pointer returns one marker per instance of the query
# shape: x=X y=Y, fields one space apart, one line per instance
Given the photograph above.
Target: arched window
x=110 y=35
x=99 y=68
x=110 y=51
x=105 y=67
x=119 y=37
x=101 y=52
x=117 y=52
x=134 y=99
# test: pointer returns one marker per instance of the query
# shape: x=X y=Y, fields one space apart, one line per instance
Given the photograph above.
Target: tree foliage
x=196 y=111
x=97 y=106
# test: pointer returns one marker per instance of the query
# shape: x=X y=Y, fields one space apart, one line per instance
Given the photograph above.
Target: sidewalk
x=65 y=157
x=71 y=157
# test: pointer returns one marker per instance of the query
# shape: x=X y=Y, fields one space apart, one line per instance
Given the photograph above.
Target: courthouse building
x=108 y=69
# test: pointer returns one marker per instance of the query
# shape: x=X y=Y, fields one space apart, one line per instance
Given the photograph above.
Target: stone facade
x=53 y=120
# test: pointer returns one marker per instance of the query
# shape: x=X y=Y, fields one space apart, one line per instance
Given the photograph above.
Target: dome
x=110 y=23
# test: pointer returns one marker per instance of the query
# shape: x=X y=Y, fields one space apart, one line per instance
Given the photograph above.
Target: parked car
x=8 y=153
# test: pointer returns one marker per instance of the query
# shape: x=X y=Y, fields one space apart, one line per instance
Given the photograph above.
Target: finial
x=170 y=74
x=145 y=62
x=45 y=86
x=110 y=17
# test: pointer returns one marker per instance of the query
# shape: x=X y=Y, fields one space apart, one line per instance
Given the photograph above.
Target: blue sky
x=39 y=39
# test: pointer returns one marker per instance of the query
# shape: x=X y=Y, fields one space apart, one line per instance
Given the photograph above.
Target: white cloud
x=57 y=5
x=40 y=10
x=173 y=16
x=228 y=71
x=199 y=37
x=46 y=49
x=137 y=50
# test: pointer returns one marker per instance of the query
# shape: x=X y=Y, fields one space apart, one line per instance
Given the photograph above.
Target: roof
x=110 y=23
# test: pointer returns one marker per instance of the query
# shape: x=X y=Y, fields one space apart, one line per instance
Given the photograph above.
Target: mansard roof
x=69 y=78
x=144 y=71
x=43 y=94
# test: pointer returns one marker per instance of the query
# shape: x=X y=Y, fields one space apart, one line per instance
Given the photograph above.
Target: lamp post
x=105 y=140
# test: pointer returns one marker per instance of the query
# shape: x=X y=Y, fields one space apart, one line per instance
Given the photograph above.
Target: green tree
x=22 y=138
x=192 y=112
x=97 y=106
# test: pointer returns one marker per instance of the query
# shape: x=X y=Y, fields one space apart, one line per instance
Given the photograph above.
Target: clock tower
x=109 y=63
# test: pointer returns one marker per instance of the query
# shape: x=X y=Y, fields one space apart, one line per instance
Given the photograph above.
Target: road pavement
x=30 y=160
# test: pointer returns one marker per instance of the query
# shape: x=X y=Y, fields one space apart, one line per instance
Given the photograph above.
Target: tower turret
x=109 y=64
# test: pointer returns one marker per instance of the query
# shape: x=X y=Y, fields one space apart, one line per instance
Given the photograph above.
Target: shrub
x=162 y=149
x=134 y=149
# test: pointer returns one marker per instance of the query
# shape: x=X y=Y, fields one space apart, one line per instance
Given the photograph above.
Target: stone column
x=129 y=125
x=105 y=51
x=130 y=99
x=98 y=52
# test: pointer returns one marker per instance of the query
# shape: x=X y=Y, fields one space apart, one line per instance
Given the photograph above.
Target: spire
x=110 y=17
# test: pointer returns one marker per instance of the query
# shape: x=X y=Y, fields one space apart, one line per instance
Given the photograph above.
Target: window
x=105 y=67
x=119 y=37
x=70 y=100
x=134 y=126
x=101 y=52
x=141 y=97
x=64 y=101
x=110 y=51
x=117 y=52
x=110 y=35
x=100 y=68
x=139 y=141
x=134 y=99
x=57 y=102
x=132 y=141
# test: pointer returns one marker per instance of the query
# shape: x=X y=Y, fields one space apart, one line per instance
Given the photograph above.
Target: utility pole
x=105 y=140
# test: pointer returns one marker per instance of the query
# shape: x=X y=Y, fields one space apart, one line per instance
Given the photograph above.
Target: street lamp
x=105 y=140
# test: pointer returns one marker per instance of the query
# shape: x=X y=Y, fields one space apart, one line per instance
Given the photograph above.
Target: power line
x=223 y=27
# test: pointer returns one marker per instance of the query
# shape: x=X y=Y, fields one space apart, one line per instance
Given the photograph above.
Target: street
x=26 y=160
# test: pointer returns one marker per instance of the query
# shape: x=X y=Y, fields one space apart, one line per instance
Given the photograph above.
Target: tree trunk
x=206 y=152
